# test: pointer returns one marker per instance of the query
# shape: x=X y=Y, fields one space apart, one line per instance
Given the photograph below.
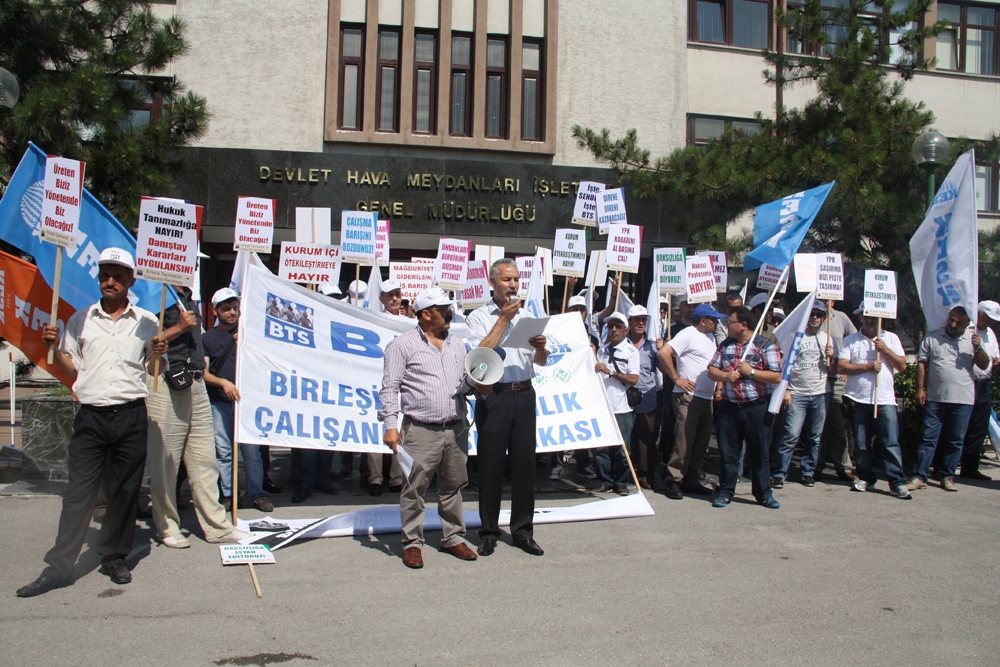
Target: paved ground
x=831 y=578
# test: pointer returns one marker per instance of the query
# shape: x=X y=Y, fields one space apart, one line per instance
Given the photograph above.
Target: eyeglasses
x=817 y=314
x=730 y=323
x=616 y=325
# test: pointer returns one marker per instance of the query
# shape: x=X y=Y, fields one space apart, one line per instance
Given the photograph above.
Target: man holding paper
x=505 y=414
x=422 y=368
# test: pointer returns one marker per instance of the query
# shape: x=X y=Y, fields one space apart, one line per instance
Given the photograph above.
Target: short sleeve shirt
x=694 y=351
x=628 y=364
x=518 y=364
x=860 y=388
x=992 y=350
x=647 y=375
x=949 y=367
x=810 y=374
x=215 y=342
x=764 y=356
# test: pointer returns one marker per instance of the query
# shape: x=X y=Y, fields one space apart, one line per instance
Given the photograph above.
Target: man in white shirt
x=107 y=350
x=806 y=400
x=619 y=361
x=865 y=353
x=390 y=301
x=979 y=422
x=692 y=396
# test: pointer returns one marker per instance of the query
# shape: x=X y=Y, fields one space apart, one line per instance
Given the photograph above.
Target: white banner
x=254 y=225
x=880 y=293
x=720 y=268
x=61 y=201
x=382 y=243
x=313 y=225
x=829 y=276
x=477 y=285
x=944 y=251
x=610 y=209
x=413 y=277
x=700 y=279
x=585 y=207
x=624 y=248
x=452 y=263
x=166 y=248
x=308 y=263
x=357 y=237
x=669 y=269
x=570 y=252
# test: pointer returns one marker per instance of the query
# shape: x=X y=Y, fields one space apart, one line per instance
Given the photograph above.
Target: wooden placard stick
x=670 y=317
x=618 y=294
x=878 y=357
x=55 y=300
x=159 y=332
x=357 y=283
x=565 y=294
x=253 y=575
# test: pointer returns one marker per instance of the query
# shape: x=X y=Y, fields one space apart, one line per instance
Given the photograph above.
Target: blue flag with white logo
x=779 y=227
x=20 y=218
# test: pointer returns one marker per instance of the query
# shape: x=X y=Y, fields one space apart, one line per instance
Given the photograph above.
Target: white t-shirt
x=694 y=351
x=990 y=345
x=809 y=376
x=628 y=364
x=859 y=349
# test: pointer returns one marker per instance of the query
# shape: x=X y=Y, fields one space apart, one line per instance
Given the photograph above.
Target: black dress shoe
x=117 y=572
x=975 y=474
x=696 y=488
x=375 y=490
x=529 y=546
x=673 y=491
x=395 y=489
x=487 y=546
x=43 y=584
x=301 y=494
x=328 y=488
x=270 y=486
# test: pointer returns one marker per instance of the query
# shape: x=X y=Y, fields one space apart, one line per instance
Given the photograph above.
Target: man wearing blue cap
x=694 y=348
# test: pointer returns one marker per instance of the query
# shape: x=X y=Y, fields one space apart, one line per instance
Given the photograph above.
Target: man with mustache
x=505 y=415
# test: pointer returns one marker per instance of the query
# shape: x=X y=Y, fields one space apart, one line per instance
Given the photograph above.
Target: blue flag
x=779 y=227
x=21 y=215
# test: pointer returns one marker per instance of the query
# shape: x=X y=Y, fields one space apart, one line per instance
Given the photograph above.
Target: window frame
x=343 y=62
x=728 y=27
x=432 y=66
x=469 y=70
x=385 y=63
x=504 y=74
x=961 y=35
x=539 y=77
x=992 y=185
x=728 y=122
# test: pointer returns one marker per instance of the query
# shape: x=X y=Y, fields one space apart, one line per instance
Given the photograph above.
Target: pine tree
x=82 y=67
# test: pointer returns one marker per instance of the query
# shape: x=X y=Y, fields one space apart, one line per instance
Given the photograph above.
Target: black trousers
x=113 y=442
x=979 y=427
x=506 y=423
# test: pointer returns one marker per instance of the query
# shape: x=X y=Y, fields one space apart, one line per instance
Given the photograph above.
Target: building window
x=987 y=185
x=461 y=85
x=151 y=106
x=496 y=88
x=531 y=91
x=744 y=23
x=872 y=14
x=969 y=43
x=424 y=83
x=835 y=33
x=387 y=86
x=705 y=129
x=352 y=49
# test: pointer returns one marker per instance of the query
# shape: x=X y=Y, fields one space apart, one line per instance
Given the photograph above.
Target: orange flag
x=26 y=301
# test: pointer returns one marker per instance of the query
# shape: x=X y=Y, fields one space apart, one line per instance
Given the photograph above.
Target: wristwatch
x=753 y=371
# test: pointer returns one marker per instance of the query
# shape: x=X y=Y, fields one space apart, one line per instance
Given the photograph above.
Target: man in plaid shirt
x=742 y=413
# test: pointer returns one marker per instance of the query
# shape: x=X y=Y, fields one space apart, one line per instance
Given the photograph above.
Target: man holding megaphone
x=422 y=368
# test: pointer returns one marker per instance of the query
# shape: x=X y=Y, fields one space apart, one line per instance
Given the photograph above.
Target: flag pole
x=878 y=357
x=763 y=315
x=55 y=301
x=357 y=283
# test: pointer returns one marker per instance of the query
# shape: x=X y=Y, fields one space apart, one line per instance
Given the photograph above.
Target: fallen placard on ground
x=241 y=554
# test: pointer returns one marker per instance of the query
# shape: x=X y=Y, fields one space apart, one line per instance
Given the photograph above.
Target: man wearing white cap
x=328 y=289
x=979 y=422
x=390 y=301
x=107 y=350
x=618 y=359
x=357 y=292
x=645 y=413
x=757 y=304
x=864 y=354
x=220 y=376
x=422 y=368
x=391 y=297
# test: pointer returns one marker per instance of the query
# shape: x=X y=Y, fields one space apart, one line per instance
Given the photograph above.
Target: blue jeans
x=886 y=427
x=734 y=425
x=253 y=465
x=947 y=421
x=612 y=468
x=808 y=412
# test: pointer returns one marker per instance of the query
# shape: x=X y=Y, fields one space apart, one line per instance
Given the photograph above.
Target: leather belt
x=511 y=386
x=447 y=424
x=115 y=408
x=756 y=401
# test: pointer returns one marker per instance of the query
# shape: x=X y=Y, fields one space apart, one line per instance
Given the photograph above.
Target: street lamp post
x=930 y=150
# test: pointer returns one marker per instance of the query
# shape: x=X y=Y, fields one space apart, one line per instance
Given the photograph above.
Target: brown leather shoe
x=460 y=551
x=412 y=558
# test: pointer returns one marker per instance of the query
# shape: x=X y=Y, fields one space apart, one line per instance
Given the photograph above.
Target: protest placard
x=490 y=253
x=880 y=293
x=166 y=249
x=768 y=277
x=829 y=276
x=241 y=554
x=413 y=277
x=624 y=248
x=720 y=268
x=61 y=201
x=477 y=285
x=700 y=279
x=669 y=270
x=585 y=207
x=308 y=263
x=524 y=265
x=597 y=270
x=610 y=209
x=382 y=243
x=452 y=263
x=313 y=225
x=254 y=230
x=569 y=253
x=357 y=237
x=546 y=255
x=804 y=265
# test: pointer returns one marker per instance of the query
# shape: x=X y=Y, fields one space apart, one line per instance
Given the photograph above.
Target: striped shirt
x=518 y=365
x=764 y=356
x=417 y=379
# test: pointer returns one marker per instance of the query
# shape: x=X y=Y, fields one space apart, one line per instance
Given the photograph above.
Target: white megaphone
x=482 y=366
